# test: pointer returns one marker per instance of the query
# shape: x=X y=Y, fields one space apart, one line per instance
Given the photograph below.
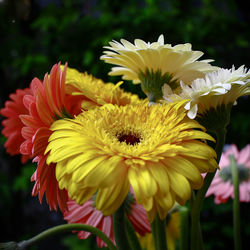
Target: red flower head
x=13 y=124
x=47 y=102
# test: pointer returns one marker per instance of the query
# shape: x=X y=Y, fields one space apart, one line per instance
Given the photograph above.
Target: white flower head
x=219 y=87
x=179 y=60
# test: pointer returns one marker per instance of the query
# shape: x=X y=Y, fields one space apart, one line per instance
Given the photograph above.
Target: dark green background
x=34 y=35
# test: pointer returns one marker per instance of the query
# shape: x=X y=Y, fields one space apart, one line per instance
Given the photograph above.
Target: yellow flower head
x=157 y=150
x=153 y=64
x=218 y=88
x=96 y=92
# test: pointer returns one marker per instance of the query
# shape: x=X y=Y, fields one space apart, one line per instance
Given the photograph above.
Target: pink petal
x=232 y=150
x=244 y=156
x=224 y=161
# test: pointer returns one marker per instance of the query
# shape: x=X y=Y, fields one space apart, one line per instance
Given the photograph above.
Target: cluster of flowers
x=97 y=147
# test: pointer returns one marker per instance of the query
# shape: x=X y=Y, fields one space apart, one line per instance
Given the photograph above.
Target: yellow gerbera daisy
x=96 y=92
x=153 y=64
x=156 y=149
x=217 y=88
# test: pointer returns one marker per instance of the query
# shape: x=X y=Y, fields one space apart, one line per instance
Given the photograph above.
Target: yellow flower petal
x=155 y=150
x=108 y=200
x=180 y=186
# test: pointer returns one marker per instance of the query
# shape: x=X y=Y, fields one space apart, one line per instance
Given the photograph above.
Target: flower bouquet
x=129 y=170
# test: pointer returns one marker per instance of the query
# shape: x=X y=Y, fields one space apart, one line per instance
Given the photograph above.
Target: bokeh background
x=34 y=35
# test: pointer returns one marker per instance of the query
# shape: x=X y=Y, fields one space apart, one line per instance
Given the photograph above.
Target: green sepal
x=152 y=82
x=216 y=119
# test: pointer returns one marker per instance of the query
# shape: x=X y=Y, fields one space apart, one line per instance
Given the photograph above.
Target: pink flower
x=222 y=186
x=88 y=214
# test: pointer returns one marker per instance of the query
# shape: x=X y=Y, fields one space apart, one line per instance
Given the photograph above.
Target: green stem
x=236 y=204
x=63 y=229
x=119 y=228
x=196 y=240
x=132 y=237
x=184 y=212
x=196 y=235
x=158 y=228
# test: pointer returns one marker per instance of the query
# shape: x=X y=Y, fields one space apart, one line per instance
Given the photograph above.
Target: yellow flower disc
x=156 y=149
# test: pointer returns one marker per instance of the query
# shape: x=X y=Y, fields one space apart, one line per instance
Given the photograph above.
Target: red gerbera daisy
x=47 y=102
x=13 y=124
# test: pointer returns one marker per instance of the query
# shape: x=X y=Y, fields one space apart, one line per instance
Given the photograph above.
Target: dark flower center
x=129 y=139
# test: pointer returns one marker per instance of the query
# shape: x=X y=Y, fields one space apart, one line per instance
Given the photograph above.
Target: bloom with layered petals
x=222 y=184
x=47 y=102
x=13 y=124
x=179 y=60
x=88 y=214
x=157 y=150
x=59 y=95
x=218 y=88
x=154 y=64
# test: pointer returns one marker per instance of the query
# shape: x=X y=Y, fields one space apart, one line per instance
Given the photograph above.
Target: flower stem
x=196 y=237
x=132 y=238
x=236 y=204
x=119 y=228
x=158 y=228
x=62 y=229
x=184 y=212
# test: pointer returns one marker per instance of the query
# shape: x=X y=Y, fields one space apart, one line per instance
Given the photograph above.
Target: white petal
x=226 y=86
x=161 y=39
x=193 y=112
x=187 y=106
x=238 y=82
x=127 y=44
x=140 y=44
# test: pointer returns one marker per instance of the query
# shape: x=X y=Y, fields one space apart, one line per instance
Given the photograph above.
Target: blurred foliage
x=22 y=180
x=37 y=34
x=217 y=221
